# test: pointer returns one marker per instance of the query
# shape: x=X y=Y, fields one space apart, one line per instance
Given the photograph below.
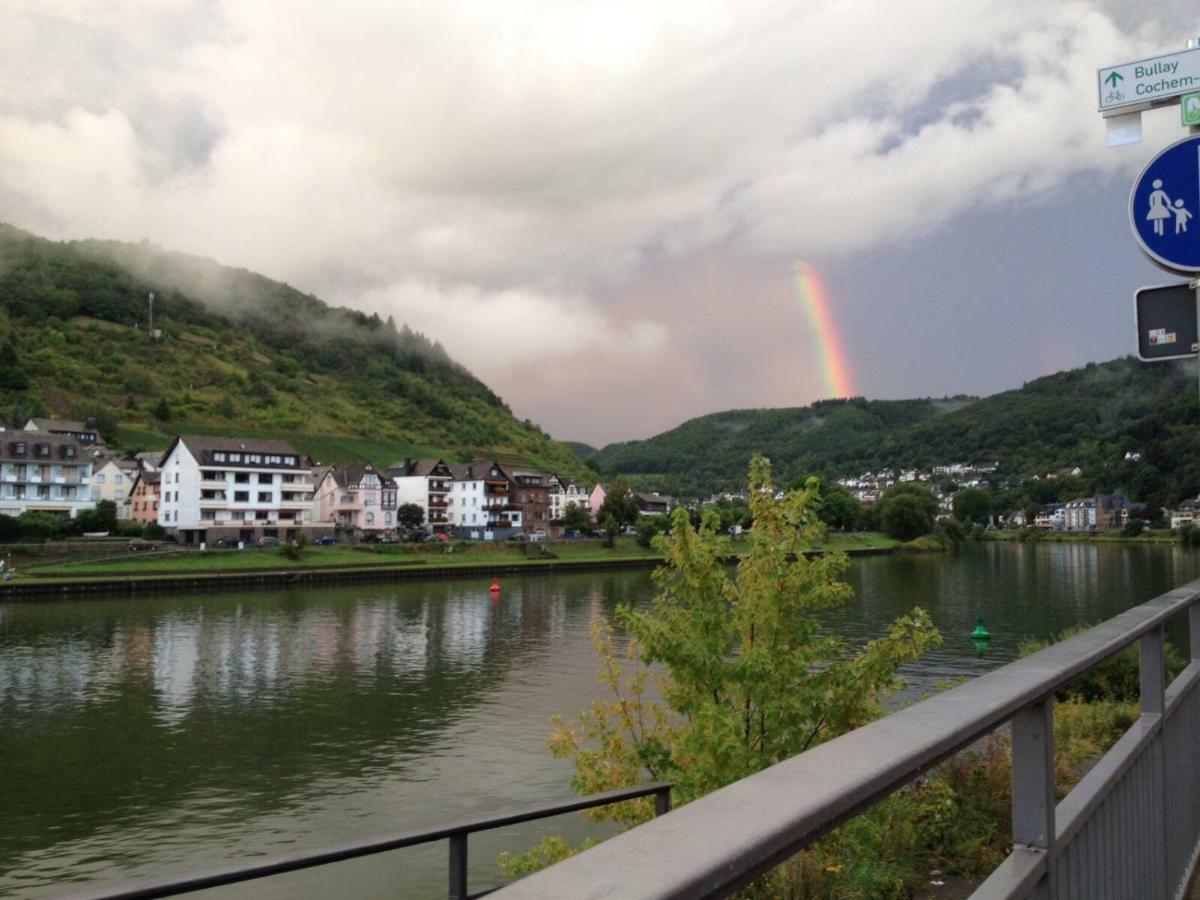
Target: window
x=387 y=519
x=264 y=496
x=41 y=449
x=241 y=496
x=254 y=457
x=242 y=477
x=100 y=479
x=117 y=479
x=370 y=518
x=265 y=478
x=291 y=460
x=20 y=448
x=218 y=456
x=235 y=457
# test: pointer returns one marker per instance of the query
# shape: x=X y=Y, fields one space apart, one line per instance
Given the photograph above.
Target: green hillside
x=239 y=354
x=713 y=451
x=1089 y=417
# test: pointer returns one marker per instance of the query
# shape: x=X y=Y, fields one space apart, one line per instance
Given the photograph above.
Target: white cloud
x=494 y=331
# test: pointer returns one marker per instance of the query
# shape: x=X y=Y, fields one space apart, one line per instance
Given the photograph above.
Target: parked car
x=268 y=541
x=326 y=541
x=538 y=536
x=575 y=535
x=389 y=538
x=441 y=536
x=225 y=542
x=143 y=544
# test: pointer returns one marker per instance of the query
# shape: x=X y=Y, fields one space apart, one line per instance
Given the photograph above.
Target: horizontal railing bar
x=1015 y=877
x=723 y=840
x=355 y=849
x=1073 y=810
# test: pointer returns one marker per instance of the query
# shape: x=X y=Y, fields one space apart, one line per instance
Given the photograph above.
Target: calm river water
x=153 y=736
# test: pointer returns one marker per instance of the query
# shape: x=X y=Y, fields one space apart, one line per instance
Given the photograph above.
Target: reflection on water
x=150 y=736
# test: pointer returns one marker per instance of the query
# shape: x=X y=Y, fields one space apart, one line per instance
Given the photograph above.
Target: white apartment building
x=427 y=483
x=242 y=488
x=564 y=492
x=44 y=472
x=467 y=511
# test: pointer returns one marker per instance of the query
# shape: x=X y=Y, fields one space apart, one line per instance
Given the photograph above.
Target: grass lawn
x=433 y=554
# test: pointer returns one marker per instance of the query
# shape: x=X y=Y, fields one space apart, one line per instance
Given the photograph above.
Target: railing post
x=458 y=866
x=1194 y=630
x=1153 y=684
x=662 y=802
x=1033 y=783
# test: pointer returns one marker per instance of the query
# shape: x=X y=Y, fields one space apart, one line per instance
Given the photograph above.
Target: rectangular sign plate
x=1166 y=322
x=1147 y=82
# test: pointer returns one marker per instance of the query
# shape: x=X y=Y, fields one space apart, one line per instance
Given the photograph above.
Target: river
x=152 y=736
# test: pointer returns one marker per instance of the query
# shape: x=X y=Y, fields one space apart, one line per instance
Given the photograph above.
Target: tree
x=972 y=506
x=611 y=528
x=906 y=510
x=839 y=508
x=619 y=503
x=749 y=673
x=410 y=516
x=102 y=518
x=12 y=375
x=576 y=518
x=162 y=410
x=650 y=526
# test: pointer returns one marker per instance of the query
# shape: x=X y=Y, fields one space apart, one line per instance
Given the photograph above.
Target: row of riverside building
x=205 y=488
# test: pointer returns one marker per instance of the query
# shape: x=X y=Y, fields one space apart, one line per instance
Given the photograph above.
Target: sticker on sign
x=1148 y=82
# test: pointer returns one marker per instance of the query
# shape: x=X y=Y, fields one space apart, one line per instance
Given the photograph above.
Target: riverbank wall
x=275 y=579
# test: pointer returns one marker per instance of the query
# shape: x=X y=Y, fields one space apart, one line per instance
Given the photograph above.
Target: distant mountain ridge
x=1090 y=417
x=239 y=354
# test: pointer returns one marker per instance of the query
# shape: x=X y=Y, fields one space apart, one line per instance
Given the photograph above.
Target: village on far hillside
x=233 y=491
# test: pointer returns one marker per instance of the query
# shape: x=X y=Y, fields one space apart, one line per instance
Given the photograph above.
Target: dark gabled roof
x=202 y=446
x=43 y=424
x=354 y=474
x=147 y=477
x=29 y=438
x=463 y=472
x=415 y=467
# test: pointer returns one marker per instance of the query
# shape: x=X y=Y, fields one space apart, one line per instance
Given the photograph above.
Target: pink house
x=357 y=497
x=596 y=499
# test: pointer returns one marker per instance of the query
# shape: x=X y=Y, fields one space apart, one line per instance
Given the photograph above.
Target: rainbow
x=827 y=344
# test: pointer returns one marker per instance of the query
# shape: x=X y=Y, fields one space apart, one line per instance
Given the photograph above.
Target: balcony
x=213 y=484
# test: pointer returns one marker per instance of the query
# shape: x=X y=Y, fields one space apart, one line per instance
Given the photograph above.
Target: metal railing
x=456 y=833
x=1129 y=829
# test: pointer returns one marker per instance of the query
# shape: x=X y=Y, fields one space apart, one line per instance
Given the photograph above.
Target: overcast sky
x=597 y=207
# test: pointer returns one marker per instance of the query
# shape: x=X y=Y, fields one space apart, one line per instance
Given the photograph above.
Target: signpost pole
x=1194 y=43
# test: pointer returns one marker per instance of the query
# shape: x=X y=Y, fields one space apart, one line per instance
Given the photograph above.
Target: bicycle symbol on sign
x=1114 y=96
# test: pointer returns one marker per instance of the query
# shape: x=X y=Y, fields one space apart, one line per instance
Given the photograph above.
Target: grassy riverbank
x=432 y=556
x=1084 y=537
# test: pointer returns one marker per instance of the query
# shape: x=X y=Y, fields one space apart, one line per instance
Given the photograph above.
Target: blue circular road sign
x=1164 y=204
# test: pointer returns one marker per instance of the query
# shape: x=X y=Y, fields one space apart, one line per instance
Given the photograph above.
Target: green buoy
x=981 y=633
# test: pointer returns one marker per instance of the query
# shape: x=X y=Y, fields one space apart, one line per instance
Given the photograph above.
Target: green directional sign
x=1114 y=78
x=1189 y=109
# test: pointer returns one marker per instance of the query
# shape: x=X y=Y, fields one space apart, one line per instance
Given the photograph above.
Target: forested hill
x=713 y=451
x=1089 y=417
x=240 y=354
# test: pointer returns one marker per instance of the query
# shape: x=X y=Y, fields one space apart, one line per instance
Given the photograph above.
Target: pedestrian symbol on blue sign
x=1164 y=200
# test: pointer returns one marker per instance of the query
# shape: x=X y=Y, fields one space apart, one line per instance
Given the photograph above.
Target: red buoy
x=495 y=588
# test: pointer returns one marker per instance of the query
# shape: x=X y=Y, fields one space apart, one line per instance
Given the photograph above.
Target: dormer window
x=20 y=449
x=235 y=457
x=219 y=456
x=42 y=450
